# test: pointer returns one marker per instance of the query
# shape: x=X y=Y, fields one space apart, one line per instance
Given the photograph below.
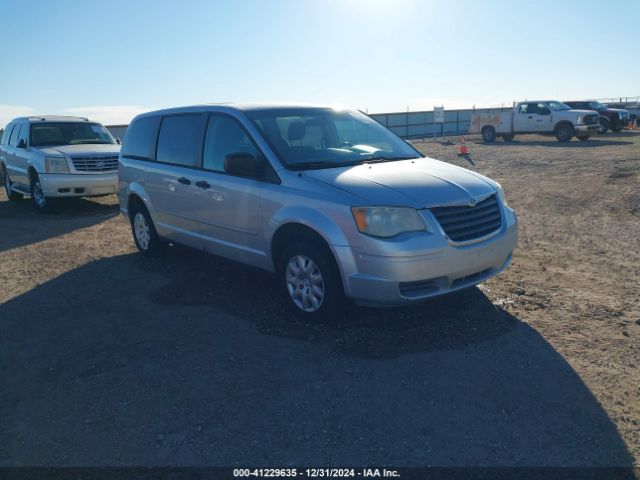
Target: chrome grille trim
x=106 y=163
x=464 y=223
x=590 y=119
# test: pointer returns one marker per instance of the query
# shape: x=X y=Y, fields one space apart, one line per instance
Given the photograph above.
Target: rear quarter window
x=6 y=134
x=140 y=138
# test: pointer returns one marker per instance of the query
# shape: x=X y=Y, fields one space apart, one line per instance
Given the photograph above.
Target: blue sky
x=111 y=59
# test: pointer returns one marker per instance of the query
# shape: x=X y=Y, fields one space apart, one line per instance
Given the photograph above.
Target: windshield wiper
x=318 y=164
x=388 y=158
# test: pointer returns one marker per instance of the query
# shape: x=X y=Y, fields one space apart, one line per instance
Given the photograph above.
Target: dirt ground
x=110 y=359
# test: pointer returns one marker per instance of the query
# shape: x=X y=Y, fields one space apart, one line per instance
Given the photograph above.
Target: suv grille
x=95 y=164
x=463 y=223
x=590 y=119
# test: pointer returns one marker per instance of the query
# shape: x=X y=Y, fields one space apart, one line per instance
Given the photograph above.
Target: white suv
x=55 y=156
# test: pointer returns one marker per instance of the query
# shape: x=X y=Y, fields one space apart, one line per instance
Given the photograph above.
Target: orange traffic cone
x=463 y=148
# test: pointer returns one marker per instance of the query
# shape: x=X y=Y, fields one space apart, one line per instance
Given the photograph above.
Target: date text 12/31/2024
x=315 y=472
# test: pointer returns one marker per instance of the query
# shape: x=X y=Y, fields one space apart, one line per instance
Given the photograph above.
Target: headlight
x=579 y=119
x=501 y=196
x=387 y=221
x=56 y=165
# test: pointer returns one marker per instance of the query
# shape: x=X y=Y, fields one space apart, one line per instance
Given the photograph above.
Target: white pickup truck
x=546 y=117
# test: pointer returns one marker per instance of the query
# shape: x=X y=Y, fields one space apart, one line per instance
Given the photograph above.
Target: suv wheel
x=42 y=203
x=617 y=128
x=564 y=132
x=604 y=125
x=582 y=138
x=508 y=138
x=13 y=196
x=311 y=280
x=488 y=134
x=144 y=232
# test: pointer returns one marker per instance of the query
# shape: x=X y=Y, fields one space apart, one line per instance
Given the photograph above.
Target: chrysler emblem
x=472 y=202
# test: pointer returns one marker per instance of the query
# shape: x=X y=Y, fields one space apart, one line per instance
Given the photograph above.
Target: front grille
x=95 y=164
x=590 y=119
x=464 y=223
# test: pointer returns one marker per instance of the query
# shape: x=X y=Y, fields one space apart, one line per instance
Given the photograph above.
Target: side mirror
x=118 y=141
x=242 y=164
x=22 y=143
x=544 y=111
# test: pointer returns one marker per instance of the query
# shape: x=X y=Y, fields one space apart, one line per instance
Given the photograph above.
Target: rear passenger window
x=180 y=139
x=140 y=138
x=23 y=135
x=224 y=136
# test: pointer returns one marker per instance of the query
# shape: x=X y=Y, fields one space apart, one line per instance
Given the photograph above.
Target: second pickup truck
x=545 y=117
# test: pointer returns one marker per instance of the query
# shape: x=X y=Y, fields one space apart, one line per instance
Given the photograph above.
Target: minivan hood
x=86 y=149
x=419 y=183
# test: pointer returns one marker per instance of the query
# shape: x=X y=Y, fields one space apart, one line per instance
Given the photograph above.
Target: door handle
x=202 y=184
x=184 y=181
x=530 y=116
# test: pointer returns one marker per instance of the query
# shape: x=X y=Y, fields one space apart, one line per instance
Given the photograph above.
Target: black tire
x=488 y=134
x=42 y=203
x=582 y=138
x=508 y=138
x=333 y=300
x=617 y=128
x=11 y=195
x=605 y=125
x=149 y=244
x=564 y=132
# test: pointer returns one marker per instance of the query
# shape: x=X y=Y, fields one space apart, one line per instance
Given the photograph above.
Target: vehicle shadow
x=191 y=360
x=24 y=225
x=555 y=144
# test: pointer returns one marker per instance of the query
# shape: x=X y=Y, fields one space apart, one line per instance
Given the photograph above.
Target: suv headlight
x=501 y=196
x=579 y=119
x=56 y=165
x=387 y=221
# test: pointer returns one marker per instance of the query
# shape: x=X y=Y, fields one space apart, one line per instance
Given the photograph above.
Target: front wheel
x=311 y=280
x=488 y=134
x=42 y=203
x=617 y=128
x=11 y=195
x=582 y=138
x=564 y=132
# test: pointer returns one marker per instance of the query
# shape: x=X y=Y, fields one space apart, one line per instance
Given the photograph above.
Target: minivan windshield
x=305 y=138
x=68 y=133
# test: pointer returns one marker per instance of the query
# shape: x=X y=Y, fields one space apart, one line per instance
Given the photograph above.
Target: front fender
x=331 y=225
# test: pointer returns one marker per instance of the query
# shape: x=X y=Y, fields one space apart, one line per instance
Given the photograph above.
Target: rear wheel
x=605 y=124
x=311 y=280
x=144 y=232
x=617 y=128
x=583 y=137
x=13 y=196
x=488 y=134
x=508 y=138
x=564 y=132
x=42 y=203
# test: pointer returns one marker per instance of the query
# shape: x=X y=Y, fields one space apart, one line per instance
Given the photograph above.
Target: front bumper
x=387 y=280
x=70 y=185
x=586 y=129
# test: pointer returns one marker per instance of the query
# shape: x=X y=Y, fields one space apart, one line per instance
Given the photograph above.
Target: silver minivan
x=334 y=203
